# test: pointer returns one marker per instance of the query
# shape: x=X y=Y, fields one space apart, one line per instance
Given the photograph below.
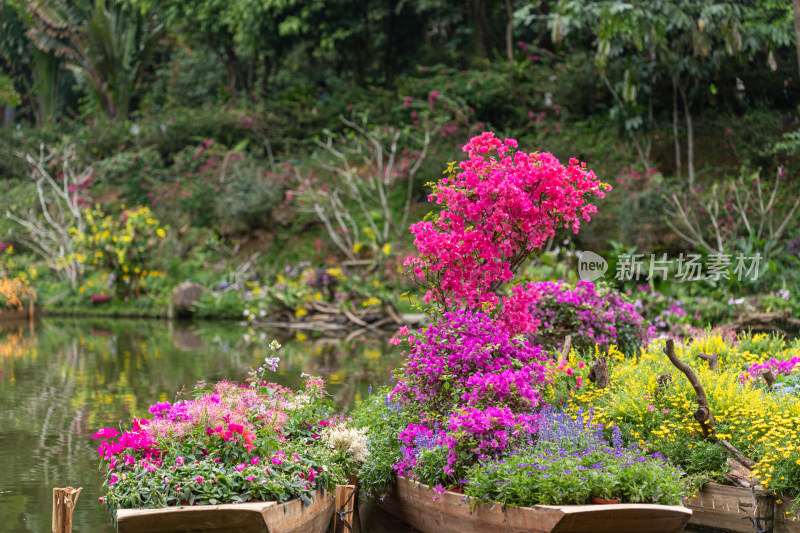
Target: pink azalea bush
x=229 y=443
x=497 y=207
x=469 y=387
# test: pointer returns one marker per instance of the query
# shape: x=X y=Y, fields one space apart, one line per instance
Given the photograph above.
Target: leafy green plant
x=382 y=420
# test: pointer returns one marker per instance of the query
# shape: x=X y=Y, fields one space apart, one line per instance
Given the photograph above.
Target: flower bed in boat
x=229 y=443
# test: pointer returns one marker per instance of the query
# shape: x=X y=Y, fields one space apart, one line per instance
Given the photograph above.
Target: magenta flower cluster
x=469 y=386
x=590 y=315
x=777 y=366
x=497 y=207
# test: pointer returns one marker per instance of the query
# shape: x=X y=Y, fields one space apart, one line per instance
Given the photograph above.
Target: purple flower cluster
x=562 y=430
x=571 y=462
x=591 y=316
x=471 y=387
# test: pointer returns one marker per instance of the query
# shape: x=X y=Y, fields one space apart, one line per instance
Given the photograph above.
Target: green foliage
x=134 y=173
x=383 y=421
x=106 y=44
x=8 y=96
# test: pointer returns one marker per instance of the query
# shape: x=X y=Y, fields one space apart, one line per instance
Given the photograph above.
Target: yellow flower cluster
x=372 y=300
x=764 y=425
x=122 y=244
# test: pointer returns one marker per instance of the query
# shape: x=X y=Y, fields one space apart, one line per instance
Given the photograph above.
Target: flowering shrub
x=591 y=316
x=764 y=426
x=14 y=293
x=498 y=207
x=123 y=245
x=573 y=461
x=564 y=376
x=778 y=367
x=229 y=443
x=212 y=184
x=468 y=386
x=785 y=371
x=134 y=173
x=664 y=312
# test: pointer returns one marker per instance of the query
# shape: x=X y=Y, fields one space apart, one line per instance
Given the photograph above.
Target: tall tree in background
x=796 y=9
x=684 y=42
x=105 y=43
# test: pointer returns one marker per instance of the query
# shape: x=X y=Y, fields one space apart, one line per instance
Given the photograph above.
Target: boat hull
x=251 y=517
x=731 y=508
x=450 y=513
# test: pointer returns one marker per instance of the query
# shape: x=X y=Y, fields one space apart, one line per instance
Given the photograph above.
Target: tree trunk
x=237 y=69
x=45 y=86
x=796 y=7
x=64 y=501
x=675 y=127
x=267 y=63
x=229 y=70
x=598 y=373
x=689 y=136
x=510 y=33
x=479 y=19
x=389 y=52
x=636 y=142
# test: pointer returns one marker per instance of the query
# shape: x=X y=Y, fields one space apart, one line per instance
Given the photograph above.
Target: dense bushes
x=591 y=315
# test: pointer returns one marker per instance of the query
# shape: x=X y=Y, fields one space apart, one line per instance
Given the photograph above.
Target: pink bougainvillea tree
x=471 y=387
x=498 y=207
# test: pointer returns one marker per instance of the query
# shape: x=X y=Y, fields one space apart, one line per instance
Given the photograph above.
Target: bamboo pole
x=64 y=501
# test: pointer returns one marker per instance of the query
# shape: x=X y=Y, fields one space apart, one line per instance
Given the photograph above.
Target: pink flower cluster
x=777 y=366
x=117 y=447
x=229 y=416
x=470 y=386
x=498 y=206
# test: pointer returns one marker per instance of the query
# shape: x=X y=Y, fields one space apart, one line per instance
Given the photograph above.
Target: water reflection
x=63 y=379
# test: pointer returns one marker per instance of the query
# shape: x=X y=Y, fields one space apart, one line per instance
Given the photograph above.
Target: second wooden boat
x=414 y=504
x=725 y=508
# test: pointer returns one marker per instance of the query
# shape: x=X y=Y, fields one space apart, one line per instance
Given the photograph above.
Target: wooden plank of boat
x=413 y=503
x=731 y=508
x=250 y=517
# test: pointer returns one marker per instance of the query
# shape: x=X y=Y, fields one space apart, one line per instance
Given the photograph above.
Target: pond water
x=62 y=379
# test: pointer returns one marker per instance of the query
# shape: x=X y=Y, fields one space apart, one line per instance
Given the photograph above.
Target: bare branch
x=48 y=230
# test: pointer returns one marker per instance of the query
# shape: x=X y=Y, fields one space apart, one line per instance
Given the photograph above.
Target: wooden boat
x=413 y=503
x=725 y=508
x=251 y=517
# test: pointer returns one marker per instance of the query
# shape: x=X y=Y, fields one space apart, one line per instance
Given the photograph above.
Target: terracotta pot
x=603 y=501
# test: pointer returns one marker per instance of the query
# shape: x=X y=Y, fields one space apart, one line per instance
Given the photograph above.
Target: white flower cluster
x=351 y=441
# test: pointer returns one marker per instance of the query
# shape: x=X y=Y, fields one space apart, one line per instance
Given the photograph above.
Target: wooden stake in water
x=345 y=502
x=64 y=501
